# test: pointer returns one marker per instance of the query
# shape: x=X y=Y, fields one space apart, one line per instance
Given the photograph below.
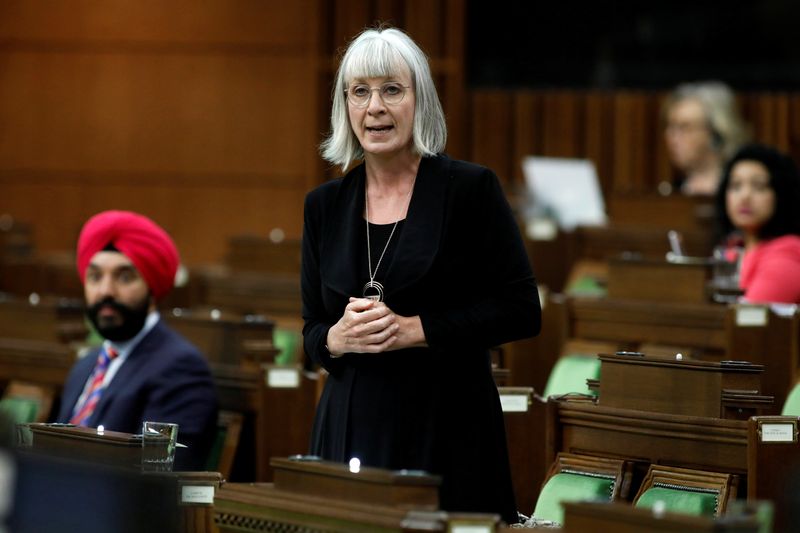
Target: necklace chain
x=372 y=273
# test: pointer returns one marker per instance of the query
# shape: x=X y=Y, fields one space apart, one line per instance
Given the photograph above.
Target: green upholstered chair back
x=286 y=341
x=687 y=491
x=570 y=487
x=676 y=499
x=574 y=477
x=19 y=410
x=570 y=373
x=791 y=407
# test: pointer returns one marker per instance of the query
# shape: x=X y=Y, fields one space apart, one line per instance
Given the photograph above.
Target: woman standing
x=757 y=202
x=413 y=267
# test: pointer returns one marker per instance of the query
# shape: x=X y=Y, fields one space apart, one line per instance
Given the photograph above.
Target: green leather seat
x=19 y=410
x=570 y=487
x=570 y=373
x=286 y=341
x=681 y=500
x=791 y=407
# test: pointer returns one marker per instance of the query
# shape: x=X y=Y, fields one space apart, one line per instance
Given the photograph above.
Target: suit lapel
x=418 y=243
x=340 y=244
x=130 y=368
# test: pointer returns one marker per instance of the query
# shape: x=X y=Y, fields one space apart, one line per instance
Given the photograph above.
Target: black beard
x=133 y=319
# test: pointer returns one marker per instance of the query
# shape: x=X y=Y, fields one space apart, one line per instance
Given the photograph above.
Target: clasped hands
x=368 y=326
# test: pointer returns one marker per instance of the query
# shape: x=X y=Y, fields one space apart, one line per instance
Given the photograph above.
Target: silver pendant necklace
x=373 y=290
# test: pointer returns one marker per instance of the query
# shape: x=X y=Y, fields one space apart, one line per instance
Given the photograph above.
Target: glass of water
x=158 y=446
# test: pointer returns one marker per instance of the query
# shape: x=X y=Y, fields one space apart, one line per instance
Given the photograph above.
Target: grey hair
x=381 y=53
x=722 y=114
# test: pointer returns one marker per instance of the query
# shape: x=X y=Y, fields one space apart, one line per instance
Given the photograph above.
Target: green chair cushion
x=791 y=407
x=570 y=374
x=19 y=410
x=680 y=501
x=567 y=487
x=286 y=342
x=586 y=286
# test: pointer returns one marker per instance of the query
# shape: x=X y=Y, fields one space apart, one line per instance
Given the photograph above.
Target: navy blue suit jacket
x=164 y=379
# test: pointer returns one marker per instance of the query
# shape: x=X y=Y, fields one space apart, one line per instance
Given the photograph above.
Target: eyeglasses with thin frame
x=391 y=93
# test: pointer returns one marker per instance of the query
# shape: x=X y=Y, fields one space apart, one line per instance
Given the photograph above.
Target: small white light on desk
x=355 y=465
x=215 y=314
x=34 y=298
x=679 y=356
x=101 y=429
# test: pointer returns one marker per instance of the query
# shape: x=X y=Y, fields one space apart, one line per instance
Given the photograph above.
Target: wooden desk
x=645 y=437
x=38 y=362
x=226 y=337
x=250 y=253
x=316 y=496
x=682 y=387
x=524 y=417
x=658 y=280
x=697 y=326
x=759 y=334
x=676 y=211
x=773 y=464
x=42 y=318
x=278 y=404
x=274 y=294
x=123 y=451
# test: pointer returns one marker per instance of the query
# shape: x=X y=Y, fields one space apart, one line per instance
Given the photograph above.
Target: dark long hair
x=784 y=181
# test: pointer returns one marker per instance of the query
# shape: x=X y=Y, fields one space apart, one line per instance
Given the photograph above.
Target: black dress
x=459 y=263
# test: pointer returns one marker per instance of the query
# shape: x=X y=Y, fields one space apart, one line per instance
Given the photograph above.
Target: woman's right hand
x=366 y=326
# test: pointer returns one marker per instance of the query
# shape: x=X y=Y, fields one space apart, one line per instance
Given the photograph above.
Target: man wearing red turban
x=144 y=370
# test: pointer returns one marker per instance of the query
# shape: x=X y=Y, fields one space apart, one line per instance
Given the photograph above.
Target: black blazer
x=460 y=265
x=164 y=379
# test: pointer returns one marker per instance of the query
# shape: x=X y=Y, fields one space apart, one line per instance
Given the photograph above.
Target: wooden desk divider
x=195 y=490
x=524 y=420
x=226 y=337
x=727 y=389
x=578 y=425
x=112 y=448
x=658 y=280
x=311 y=495
x=42 y=318
x=39 y=362
x=773 y=463
x=769 y=336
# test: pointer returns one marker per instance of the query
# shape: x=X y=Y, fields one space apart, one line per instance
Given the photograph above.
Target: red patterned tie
x=83 y=412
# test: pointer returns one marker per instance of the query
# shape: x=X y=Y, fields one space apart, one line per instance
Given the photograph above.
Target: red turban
x=140 y=239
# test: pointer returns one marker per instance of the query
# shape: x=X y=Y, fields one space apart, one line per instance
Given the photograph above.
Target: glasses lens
x=358 y=95
x=392 y=93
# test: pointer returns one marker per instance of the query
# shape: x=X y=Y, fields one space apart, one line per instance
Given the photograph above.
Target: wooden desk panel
x=688 y=441
x=658 y=280
x=636 y=322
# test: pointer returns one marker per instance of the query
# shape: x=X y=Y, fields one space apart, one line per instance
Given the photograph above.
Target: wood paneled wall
x=620 y=131
x=205 y=116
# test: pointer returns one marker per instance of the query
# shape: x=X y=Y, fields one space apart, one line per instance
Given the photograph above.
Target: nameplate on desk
x=514 y=403
x=470 y=528
x=197 y=494
x=751 y=315
x=777 y=431
x=283 y=378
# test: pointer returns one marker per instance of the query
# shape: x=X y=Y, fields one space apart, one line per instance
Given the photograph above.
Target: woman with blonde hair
x=703 y=129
